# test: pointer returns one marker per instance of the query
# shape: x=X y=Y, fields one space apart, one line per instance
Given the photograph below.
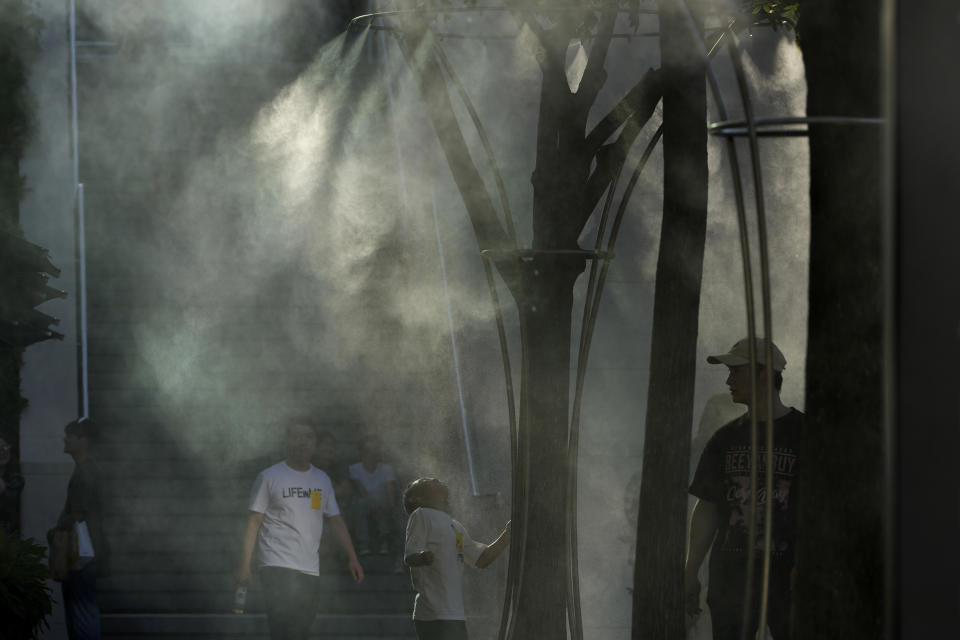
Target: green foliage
x=774 y=14
x=19 y=41
x=12 y=403
x=25 y=599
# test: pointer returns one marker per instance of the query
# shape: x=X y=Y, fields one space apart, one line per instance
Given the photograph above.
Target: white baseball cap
x=739 y=354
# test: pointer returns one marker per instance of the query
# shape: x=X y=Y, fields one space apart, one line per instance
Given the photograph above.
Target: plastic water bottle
x=239 y=599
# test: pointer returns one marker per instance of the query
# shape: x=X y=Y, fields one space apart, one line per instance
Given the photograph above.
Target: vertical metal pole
x=453 y=344
x=73 y=91
x=443 y=272
x=81 y=245
x=889 y=44
x=82 y=296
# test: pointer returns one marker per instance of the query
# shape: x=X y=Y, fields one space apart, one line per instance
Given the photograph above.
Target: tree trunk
x=661 y=525
x=545 y=305
x=840 y=567
x=545 y=300
x=542 y=284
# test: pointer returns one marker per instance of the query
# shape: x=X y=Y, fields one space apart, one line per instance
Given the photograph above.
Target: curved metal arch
x=591 y=311
x=753 y=128
x=751 y=309
x=593 y=303
x=484 y=140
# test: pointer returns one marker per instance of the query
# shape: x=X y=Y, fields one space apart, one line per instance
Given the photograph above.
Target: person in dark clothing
x=83 y=514
x=11 y=486
x=720 y=520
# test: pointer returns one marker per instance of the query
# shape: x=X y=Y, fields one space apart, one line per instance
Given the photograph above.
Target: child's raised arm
x=496 y=547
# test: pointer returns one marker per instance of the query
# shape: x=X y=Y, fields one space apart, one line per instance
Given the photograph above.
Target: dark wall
x=927 y=193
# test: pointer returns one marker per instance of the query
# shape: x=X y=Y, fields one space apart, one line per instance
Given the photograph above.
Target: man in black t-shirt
x=720 y=520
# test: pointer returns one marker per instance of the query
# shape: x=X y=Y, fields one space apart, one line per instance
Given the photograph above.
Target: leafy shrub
x=25 y=599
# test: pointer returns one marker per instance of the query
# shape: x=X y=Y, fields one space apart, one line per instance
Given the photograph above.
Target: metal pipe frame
x=83 y=373
x=768 y=127
x=748 y=286
x=753 y=128
x=591 y=307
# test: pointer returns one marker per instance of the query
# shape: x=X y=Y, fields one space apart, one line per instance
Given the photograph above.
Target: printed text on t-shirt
x=739 y=462
x=297 y=492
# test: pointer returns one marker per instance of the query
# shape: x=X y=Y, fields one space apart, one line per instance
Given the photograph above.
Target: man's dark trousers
x=291 y=602
x=80 y=603
x=441 y=629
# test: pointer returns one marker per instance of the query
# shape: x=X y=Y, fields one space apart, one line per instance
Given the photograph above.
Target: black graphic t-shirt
x=723 y=478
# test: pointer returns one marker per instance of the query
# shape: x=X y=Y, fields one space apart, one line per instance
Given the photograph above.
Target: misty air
x=444 y=319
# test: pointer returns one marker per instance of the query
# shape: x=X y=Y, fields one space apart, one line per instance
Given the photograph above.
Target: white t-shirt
x=375 y=482
x=439 y=585
x=293 y=504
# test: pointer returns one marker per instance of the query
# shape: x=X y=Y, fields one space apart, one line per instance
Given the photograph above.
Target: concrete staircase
x=175 y=542
x=175 y=529
x=177 y=414
x=188 y=606
x=249 y=627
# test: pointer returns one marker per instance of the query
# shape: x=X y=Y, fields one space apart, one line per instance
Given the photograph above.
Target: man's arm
x=339 y=529
x=493 y=551
x=703 y=528
x=242 y=575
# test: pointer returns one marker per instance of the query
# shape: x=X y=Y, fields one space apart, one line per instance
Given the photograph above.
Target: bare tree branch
x=639 y=102
x=556 y=172
x=609 y=160
x=610 y=157
x=524 y=17
x=595 y=75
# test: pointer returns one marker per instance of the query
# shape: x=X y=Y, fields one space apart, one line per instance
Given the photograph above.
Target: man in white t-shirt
x=437 y=546
x=289 y=504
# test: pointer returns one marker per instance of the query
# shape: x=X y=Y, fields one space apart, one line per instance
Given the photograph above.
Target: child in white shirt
x=436 y=548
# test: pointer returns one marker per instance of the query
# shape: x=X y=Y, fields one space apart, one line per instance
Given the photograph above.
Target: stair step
x=201 y=601
x=211 y=626
x=163 y=580
x=162 y=505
